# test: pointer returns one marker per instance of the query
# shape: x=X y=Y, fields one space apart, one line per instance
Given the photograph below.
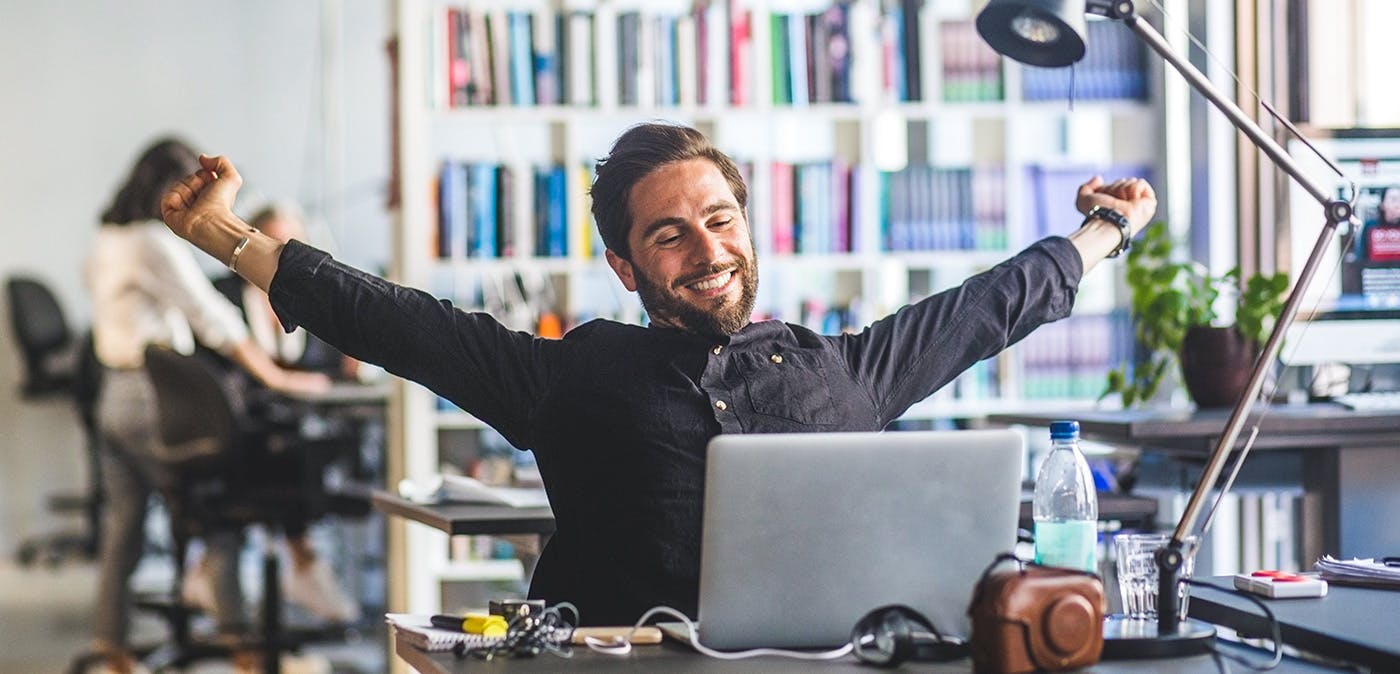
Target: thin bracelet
x=238 y=249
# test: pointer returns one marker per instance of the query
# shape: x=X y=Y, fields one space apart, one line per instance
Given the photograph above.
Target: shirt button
x=718 y=348
x=720 y=405
x=776 y=358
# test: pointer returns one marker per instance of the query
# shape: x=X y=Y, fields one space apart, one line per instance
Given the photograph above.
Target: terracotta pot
x=1215 y=362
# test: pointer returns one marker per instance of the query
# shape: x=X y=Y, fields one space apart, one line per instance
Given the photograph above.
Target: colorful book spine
x=522 y=58
x=453 y=210
x=740 y=54
x=482 y=196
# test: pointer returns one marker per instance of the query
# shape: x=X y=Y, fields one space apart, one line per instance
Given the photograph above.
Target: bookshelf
x=889 y=154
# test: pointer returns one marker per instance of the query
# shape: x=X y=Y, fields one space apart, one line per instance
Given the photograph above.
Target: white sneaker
x=197 y=589
x=315 y=589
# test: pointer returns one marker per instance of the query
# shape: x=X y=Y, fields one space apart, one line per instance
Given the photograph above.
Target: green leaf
x=1164 y=275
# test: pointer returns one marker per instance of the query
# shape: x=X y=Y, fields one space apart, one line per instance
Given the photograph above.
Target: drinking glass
x=1137 y=572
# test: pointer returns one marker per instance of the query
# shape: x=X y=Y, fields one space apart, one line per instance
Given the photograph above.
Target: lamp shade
x=1046 y=33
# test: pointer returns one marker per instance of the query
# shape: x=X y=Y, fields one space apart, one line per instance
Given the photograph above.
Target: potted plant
x=1175 y=322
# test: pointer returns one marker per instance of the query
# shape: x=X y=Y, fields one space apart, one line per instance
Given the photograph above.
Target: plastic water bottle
x=1066 y=507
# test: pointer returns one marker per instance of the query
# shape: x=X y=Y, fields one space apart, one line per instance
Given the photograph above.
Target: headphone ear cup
x=901 y=631
x=918 y=641
x=898 y=634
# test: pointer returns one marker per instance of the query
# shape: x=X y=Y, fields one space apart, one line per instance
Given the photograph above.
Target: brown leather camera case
x=1037 y=618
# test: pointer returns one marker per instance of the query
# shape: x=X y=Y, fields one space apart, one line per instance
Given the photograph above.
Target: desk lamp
x=1051 y=33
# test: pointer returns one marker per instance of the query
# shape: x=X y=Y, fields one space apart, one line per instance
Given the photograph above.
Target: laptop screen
x=805 y=533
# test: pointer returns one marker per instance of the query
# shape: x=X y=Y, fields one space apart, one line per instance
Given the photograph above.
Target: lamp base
x=1131 y=639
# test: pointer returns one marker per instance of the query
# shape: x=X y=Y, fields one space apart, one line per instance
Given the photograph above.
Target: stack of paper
x=462 y=489
x=1359 y=572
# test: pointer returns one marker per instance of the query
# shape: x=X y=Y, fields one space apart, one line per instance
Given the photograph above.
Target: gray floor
x=45 y=613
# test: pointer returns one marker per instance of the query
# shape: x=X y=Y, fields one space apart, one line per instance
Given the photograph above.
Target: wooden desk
x=672 y=657
x=468 y=518
x=1346 y=462
x=1351 y=623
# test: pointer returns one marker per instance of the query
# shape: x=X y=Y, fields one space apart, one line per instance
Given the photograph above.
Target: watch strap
x=1125 y=229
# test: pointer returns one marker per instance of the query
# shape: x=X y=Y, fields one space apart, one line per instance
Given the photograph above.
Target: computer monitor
x=1351 y=313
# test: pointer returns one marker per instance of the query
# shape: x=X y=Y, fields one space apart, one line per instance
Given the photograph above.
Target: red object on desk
x=1279 y=576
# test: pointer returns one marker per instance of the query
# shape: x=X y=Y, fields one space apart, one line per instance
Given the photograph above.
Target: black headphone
x=890 y=635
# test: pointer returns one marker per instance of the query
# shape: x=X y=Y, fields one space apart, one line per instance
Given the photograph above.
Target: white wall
x=87 y=84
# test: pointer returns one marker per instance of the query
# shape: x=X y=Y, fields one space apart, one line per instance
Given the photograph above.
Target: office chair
x=81 y=545
x=46 y=343
x=47 y=349
x=216 y=455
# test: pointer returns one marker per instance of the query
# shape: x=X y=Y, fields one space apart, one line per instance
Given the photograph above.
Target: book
x=579 y=59
x=687 y=62
x=548 y=50
x=481 y=78
x=458 y=55
x=454 y=210
x=521 y=54
x=463 y=489
x=498 y=37
x=482 y=198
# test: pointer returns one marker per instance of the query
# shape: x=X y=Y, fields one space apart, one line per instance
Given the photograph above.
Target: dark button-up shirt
x=619 y=415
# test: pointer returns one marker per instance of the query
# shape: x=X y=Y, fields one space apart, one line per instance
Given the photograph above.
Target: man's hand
x=202 y=196
x=1132 y=197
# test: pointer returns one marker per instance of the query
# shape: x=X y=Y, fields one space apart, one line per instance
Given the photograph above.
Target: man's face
x=692 y=254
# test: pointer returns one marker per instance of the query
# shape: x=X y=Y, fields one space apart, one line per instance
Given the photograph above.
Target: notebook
x=805 y=533
x=418 y=631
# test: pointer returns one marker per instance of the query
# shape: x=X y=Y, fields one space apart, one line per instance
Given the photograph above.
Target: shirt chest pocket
x=788 y=385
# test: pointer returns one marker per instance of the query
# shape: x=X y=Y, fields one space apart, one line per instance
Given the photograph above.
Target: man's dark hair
x=163 y=163
x=636 y=153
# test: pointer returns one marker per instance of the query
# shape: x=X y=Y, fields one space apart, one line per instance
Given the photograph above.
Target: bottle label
x=1070 y=544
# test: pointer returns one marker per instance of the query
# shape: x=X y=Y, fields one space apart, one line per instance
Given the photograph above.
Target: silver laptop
x=806 y=533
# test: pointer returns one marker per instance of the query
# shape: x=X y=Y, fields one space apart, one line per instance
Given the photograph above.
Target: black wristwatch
x=1125 y=229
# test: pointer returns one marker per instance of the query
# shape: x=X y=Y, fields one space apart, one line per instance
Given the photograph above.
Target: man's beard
x=665 y=305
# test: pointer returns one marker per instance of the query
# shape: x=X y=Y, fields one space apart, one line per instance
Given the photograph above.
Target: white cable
x=623 y=645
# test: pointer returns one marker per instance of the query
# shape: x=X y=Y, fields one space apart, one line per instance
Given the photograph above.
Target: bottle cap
x=1064 y=429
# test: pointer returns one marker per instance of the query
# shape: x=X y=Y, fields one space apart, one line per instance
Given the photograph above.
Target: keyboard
x=1370 y=401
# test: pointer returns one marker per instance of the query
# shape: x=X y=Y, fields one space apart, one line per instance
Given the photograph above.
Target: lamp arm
x=1123 y=11
x=1336 y=211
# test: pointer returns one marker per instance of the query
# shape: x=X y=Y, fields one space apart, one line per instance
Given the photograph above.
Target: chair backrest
x=41 y=330
x=198 y=422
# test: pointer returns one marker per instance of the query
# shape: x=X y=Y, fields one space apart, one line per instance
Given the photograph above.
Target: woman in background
x=147 y=289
